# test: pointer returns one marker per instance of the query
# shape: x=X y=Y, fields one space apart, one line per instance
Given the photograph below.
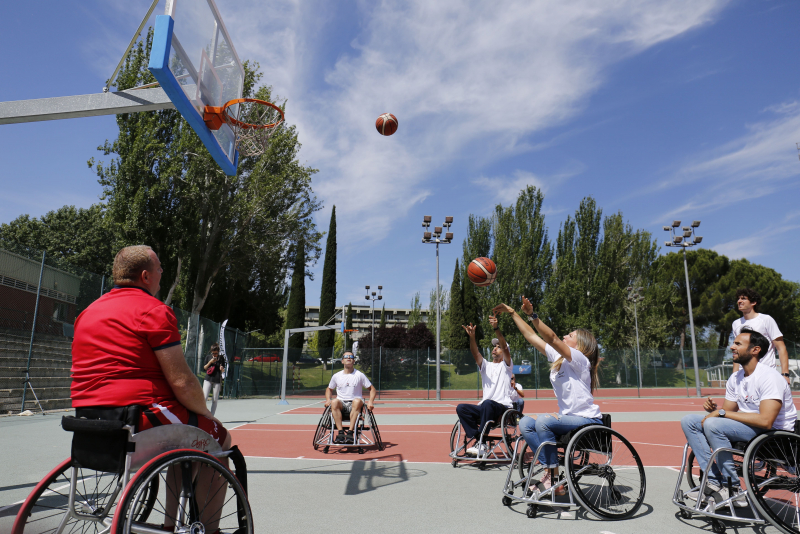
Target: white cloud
x=763 y=242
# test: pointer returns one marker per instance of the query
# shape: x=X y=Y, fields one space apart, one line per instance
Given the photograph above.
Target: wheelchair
x=599 y=468
x=118 y=481
x=769 y=466
x=497 y=441
x=366 y=433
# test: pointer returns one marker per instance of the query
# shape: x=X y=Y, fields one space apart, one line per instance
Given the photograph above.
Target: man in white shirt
x=496 y=378
x=748 y=301
x=348 y=384
x=516 y=394
x=757 y=399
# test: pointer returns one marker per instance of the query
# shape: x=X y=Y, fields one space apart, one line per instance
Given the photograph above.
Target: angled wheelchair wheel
x=195 y=492
x=375 y=432
x=693 y=472
x=524 y=459
x=323 y=427
x=454 y=436
x=772 y=463
x=605 y=473
x=510 y=425
x=96 y=494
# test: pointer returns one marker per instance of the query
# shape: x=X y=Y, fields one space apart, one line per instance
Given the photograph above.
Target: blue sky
x=688 y=109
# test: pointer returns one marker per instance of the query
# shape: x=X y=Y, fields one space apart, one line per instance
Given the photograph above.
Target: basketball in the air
x=386 y=124
x=482 y=272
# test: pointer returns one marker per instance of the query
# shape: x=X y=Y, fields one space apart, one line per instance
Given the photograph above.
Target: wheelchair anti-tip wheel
x=195 y=491
x=605 y=473
x=772 y=462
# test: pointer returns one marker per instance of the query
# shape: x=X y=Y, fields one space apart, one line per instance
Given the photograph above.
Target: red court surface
x=455 y=394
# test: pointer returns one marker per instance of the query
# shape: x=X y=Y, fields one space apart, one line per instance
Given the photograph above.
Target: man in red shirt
x=127 y=351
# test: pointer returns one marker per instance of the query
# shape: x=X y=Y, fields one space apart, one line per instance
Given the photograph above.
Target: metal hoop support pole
x=130 y=45
x=27 y=381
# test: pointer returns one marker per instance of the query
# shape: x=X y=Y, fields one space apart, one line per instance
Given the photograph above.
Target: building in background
x=362 y=318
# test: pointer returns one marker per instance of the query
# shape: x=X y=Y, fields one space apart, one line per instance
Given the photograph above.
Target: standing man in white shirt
x=496 y=378
x=348 y=384
x=756 y=400
x=748 y=301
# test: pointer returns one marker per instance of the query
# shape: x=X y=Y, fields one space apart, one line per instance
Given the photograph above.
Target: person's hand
x=502 y=308
x=470 y=330
x=327 y=403
x=493 y=321
x=709 y=405
x=370 y=406
x=715 y=413
x=527 y=307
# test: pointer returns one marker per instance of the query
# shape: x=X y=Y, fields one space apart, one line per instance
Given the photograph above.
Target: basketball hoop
x=253 y=125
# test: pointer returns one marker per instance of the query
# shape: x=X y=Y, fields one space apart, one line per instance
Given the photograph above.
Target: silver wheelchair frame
x=365 y=433
x=498 y=448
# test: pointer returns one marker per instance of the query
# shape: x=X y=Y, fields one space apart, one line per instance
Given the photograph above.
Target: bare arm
x=552 y=339
x=767 y=413
x=182 y=380
x=501 y=339
x=523 y=327
x=473 y=345
x=328 y=393
x=783 y=356
x=372 y=394
x=521 y=393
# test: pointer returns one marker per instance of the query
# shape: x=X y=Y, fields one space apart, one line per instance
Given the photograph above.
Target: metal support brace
x=70 y=107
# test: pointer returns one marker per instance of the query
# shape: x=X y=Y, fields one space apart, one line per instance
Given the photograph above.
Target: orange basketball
x=482 y=272
x=386 y=124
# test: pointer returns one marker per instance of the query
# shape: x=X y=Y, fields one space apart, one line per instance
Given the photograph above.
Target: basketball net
x=253 y=125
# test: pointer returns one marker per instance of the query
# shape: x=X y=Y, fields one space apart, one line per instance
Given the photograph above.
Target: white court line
x=267 y=417
x=656 y=444
x=48 y=492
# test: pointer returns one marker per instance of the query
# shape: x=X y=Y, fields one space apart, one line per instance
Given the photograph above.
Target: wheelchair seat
x=564 y=439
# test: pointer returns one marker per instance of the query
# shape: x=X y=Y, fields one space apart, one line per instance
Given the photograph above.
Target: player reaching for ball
x=573 y=373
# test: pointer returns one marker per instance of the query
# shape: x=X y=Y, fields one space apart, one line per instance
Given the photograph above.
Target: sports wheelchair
x=769 y=465
x=366 y=431
x=118 y=481
x=600 y=470
x=494 y=444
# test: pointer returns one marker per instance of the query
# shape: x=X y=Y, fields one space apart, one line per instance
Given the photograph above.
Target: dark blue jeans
x=473 y=418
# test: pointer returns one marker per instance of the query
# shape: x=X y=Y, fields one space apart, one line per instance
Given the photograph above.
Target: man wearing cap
x=348 y=385
x=496 y=378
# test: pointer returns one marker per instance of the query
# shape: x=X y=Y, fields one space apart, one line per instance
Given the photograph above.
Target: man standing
x=748 y=301
x=496 y=378
x=348 y=384
x=756 y=400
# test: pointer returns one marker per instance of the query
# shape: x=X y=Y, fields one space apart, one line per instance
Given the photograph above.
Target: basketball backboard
x=195 y=63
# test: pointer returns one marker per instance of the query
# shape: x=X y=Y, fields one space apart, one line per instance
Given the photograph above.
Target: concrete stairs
x=51 y=360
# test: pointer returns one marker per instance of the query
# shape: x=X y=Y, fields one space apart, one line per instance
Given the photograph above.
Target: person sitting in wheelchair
x=516 y=395
x=757 y=399
x=573 y=373
x=127 y=352
x=496 y=379
x=348 y=384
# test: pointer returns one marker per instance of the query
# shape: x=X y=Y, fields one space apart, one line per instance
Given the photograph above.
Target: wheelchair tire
x=46 y=505
x=691 y=466
x=375 y=432
x=322 y=427
x=605 y=473
x=772 y=465
x=234 y=512
x=524 y=460
x=454 y=436
x=510 y=426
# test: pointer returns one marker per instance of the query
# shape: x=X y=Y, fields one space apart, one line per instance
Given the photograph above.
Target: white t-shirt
x=514 y=392
x=348 y=386
x=763 y=384
x=573 y=384
x=496 y=378
x=765 y=325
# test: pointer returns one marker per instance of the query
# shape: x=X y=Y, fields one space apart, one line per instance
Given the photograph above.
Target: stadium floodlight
x=684 y=242
x=435 y=238
x=667 y=243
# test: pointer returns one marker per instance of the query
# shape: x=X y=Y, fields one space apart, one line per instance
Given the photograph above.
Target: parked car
x=432 y=361
x=265 y=358
x=309 y=361
x=526 y=362
x=334 y=361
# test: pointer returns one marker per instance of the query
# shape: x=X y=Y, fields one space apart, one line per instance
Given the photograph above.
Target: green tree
x=349 y=326
x=327 y=301
x=382 y=323
x=455 y=336
x=415 y=317
x=296 y=310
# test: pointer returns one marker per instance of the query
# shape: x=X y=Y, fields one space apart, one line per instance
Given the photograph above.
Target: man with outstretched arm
x=348 y=384
x=496 y=378
x=757 y=399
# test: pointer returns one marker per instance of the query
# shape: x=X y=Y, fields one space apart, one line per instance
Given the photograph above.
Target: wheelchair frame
x=144 y=451
x=366 y=433
x=534 y=497
x=498 y=449
x=706 y=506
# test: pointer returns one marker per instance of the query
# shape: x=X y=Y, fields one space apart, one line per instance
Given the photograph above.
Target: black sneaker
x=340 y=438
x=350 y=437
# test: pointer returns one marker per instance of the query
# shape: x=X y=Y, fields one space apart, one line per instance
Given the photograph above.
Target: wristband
x=787 y=375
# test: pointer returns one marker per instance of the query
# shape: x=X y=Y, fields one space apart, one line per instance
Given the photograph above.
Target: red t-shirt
x=113 y=351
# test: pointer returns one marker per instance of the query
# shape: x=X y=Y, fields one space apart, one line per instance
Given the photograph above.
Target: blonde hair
x=129 y=264
x=587 y=344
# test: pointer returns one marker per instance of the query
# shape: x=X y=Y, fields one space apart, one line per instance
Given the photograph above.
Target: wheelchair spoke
x=771 y=478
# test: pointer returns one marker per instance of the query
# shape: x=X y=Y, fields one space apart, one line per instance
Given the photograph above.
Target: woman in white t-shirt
x=573 y=373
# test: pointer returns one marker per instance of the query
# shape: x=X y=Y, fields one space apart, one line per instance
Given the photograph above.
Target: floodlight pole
x=372 y=345
x=679 y=241
x=435 y=238
x=634 y=296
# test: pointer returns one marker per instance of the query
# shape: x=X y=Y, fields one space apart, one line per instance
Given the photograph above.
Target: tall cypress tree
x=327 y=301
x=456 y=337
x=472 y=310
x=349 y=326
x=382 y=324
x=296 y=309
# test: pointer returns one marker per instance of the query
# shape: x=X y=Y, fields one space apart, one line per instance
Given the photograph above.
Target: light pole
x=634 y=296
x=435 y=237
x=373 y=299
x=680 y=241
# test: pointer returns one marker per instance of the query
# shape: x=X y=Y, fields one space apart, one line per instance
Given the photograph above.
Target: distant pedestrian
x=215 y=364
x=748 y=300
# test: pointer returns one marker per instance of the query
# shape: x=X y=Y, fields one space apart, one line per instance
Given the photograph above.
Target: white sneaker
x=472 y=451
x=739 y=499
x=481 y=450
x=711 y=488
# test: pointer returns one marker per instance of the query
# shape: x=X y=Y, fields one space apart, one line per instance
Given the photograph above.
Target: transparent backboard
x=196 y=64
